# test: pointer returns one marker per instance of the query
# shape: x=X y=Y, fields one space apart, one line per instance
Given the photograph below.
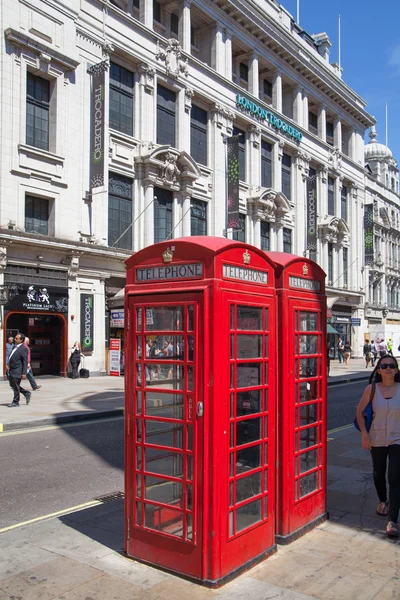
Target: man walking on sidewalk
x=29 y=373
x=17 y=368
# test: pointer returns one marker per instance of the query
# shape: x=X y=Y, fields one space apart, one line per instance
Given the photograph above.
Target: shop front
x=117 y=322
x=40 y=312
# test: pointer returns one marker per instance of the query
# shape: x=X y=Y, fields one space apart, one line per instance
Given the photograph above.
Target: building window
x=331 y=196
x=287 y=240
x=174 y=23
x=242 y=153
x=286 y=175
x=312 y=122
x=119 y=211
x=266 y=164
x=240 y=234
x=166 y=101
x=265 y=235
x=343 y=203
x=198 y=134
x=244 y=72
x=156 y=11
x=329 y=133
x=267 y=88
x=36 y=215
x=330 y=264
x=37 y=112
x=345 y=267
x=121 y=99
x=163 y=202
x=198 y=218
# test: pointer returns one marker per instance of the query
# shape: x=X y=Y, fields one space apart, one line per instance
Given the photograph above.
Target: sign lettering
x=305 y=284
x=267 y=115
x=87 y=322
x=245 y=274
x=97 y=124
x=189 y=271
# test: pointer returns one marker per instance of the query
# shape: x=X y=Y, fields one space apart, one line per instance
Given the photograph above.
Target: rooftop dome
x=374 y=150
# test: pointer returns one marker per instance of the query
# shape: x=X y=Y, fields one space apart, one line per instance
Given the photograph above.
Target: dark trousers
x=15 y=384
x=75 y=367
x=31 y=379
x=380 y=456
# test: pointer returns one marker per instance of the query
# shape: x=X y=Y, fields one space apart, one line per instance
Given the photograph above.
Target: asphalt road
x=51 y=469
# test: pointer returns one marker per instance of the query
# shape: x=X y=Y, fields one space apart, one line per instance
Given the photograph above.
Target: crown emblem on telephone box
x=167 y=255
x=246 y=257
x=305 y=269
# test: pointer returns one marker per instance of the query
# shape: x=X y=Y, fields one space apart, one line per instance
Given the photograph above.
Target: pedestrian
x=382 y=348
x=17 y=368
x=390 y=346
x=383 y=439
x=340 y=350
x=75 y=359
x=9 y=348
x=367 y=352
x=347 y=350
x=328 y=359
x=374 y=350
x=29 y=373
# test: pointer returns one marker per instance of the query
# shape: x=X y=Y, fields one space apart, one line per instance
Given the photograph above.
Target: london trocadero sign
x=267 y=115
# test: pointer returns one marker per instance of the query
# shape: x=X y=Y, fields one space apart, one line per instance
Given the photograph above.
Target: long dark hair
x=376 y=377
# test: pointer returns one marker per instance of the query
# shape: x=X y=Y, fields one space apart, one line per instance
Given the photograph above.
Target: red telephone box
x=301 y=396
x=200 y=407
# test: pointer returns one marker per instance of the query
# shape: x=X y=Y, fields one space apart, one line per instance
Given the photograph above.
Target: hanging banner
x=368 y=234
x=233 y=220
x=114 y=357
x=87 y=323
x=311 y=240
x=97 y=124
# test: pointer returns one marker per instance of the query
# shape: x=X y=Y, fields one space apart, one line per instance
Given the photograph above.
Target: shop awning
x=330 y=329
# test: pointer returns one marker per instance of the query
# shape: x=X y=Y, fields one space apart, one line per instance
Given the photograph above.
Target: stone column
x=279 y=237
x=186 y=232
x=184 y=26
x=218 y=132
x=298 y=105
x=352 y=144
x=146 y=13
x=276 y=167
x=228 y=54
x=337 y=133
x=184 y=107
x=148 y=214
x=305 y=109
x=218 y=51
x=257 y=231
x=254 y=78
x=322 y=122
x=277 y=91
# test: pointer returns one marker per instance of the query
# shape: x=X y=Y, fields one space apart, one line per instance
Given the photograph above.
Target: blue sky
x=370 y=52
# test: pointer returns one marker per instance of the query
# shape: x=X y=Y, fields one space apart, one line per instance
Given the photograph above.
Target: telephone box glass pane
x=190 y=318
x=162 y=490
x=164 y=433
x=248 y=515
x=308 y=484
x=165 y=346
x=308 y=321
x=248 y=402
x=248 y=431
x=189 y=527
x=249 y=318
x=163 y=462
x=308 y=391
x=308 y=437
x=247 y=487
x=139 y=319
x=308 y=344
x=249 y=346
x=168 y=406
x=168 y=318
x=308 y=461
x=139 y=346
x=248 y=458
x=138 y=402
x=307 y=414
x=248 y=375
x=308 y=367
x=163 y=518
x=162 y=375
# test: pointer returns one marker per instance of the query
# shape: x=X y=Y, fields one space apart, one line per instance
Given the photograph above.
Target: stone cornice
x=26 y=41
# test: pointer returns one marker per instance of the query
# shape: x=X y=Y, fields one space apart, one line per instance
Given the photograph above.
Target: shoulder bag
x=367 y=413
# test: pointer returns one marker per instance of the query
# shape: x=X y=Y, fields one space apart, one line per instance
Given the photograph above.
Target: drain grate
x=110 y=497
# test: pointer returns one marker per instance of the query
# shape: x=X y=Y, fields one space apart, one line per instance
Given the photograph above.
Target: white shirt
x=13 y=350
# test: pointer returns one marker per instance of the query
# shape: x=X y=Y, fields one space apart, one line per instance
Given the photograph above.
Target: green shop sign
x=267 y=115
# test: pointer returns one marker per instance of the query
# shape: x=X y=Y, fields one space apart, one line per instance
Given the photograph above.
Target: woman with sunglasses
x=383 y=439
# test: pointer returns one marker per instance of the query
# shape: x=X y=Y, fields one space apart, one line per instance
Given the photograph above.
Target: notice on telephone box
x=115 y=357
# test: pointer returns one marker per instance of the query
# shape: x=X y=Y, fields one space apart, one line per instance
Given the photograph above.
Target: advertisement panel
x=233 y=220
x=97 y=124
x=115 y=356
x=312 y=212
x=368 y=234
x=87 y=323
x=36 y=298
x=117 y=318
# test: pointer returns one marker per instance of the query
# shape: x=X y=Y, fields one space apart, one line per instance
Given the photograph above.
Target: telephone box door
x=165 y=448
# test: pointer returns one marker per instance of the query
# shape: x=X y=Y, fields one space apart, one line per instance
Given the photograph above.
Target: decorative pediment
x=384 y=215
x=269 y=205
x=175 y=65
x=334 y=230
x=168 y=166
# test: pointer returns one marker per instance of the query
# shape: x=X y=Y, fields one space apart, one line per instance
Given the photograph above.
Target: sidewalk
x=63 y=400
x=78 y=556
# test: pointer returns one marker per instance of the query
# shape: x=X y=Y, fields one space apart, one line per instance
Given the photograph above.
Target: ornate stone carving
x=223 y=117
x=334 y=231
x=107 y=48
x=169 y=172
x=335 y=158
x=281 y=146
x=323 y=173
x=189 y=93
x=255 y=133
x=148 y=74
x=175 y=65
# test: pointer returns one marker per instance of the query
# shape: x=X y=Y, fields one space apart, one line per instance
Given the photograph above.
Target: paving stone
x=104 y=588
x=20 y=556
x=47 y=580
x=390 y=590
x=248 y=588
x=113 y=521
x=93 y=512
x=130 y=570
x=180 y=589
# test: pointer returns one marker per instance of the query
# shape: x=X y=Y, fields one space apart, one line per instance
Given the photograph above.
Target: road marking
x=57 y=426
x=54 y=514
x=340 y=428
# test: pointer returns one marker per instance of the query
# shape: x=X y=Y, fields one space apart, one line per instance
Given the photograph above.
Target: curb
x=349 y=380
x=62 y=419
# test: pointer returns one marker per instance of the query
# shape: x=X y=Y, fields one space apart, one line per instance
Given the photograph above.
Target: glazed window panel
x=248 y=431
x=163 y=462
x=168 y=406
x=248 y=515
x=248 y=402
x=249 y=346
x=308 y=321
x=164 y=491
x=249 y=318
x=248 y=375
x=164 y=433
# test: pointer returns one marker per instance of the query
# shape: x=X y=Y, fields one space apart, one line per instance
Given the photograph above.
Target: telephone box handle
x=200 y=409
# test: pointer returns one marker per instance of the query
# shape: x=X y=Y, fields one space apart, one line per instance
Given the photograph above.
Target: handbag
x=367 y=413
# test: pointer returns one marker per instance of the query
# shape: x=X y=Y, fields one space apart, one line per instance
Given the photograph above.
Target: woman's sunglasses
x=388 y=366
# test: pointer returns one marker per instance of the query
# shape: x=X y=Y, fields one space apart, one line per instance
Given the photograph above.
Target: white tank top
x=385 y=428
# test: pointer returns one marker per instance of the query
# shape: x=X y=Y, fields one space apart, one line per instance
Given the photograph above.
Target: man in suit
x=17 y=368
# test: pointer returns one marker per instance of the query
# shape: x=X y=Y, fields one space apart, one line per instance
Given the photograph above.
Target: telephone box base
x=212 y=583
x=283 y=540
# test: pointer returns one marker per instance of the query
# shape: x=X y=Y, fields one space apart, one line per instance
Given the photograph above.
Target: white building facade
x=182 y=78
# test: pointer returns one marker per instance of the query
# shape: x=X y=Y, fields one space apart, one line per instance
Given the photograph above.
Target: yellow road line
x=57 y=426
x=340 y=428
x=54 y=514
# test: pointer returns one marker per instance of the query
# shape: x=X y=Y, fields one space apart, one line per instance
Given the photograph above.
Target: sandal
x=382 y=509
x=391 y=530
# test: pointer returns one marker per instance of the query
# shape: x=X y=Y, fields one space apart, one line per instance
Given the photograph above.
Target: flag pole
x=298 y=13
x=339 y=52
x=387 y=131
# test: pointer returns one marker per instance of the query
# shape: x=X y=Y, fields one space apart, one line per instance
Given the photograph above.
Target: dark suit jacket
x=18 y=362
